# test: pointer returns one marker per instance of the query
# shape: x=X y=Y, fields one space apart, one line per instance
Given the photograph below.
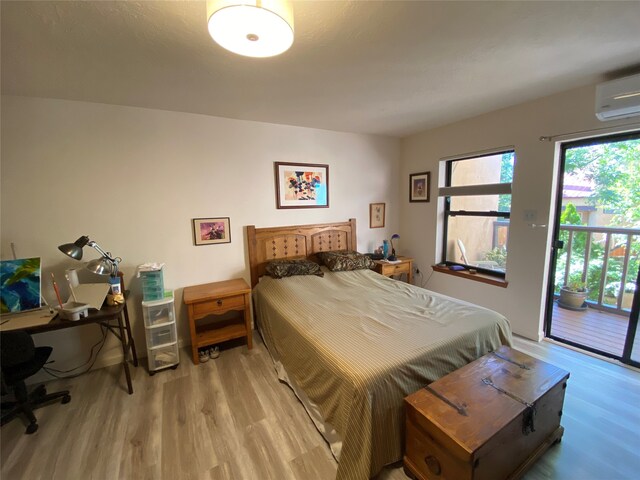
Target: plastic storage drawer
x=158 y=312
x=163 y=335
x=152 y=285
x=152 y=293
x=163 y=357
x=152 y=279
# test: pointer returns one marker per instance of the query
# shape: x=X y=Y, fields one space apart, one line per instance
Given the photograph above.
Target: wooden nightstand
x=218 y=299
x=391 y=269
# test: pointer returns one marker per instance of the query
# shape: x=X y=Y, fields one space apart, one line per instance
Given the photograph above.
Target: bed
x=353 y=344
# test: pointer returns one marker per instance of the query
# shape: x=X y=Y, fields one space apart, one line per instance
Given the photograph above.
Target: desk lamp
x=107 y=265
x=393 y=257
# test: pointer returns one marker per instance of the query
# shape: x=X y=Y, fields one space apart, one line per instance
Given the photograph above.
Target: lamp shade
x=101 y=266
x=71 y=250
x=260 y=28
x=74 y=250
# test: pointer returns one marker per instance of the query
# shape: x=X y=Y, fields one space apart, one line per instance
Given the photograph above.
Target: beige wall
x=533 y=187
x=132 y=179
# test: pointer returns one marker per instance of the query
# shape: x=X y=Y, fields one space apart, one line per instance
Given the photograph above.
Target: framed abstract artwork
x=20 y=282
x=302 y=185
x=376 y=215
x=419 y=186
x=211 y=231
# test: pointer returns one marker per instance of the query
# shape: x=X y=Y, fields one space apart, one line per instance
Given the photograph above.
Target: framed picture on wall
x=211 y=231
x=302 y=185
x=21 y=282
x=419 y=186
x=376 y=215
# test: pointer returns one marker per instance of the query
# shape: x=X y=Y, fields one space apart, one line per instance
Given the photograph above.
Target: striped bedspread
x=357 y=343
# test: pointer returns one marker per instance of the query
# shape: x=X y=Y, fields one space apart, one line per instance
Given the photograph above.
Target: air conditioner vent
x=618 y=98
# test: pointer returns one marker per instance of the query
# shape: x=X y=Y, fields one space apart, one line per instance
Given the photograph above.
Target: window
x=477 y=199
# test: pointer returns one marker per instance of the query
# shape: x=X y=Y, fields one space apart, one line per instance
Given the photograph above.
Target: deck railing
x=622 y=248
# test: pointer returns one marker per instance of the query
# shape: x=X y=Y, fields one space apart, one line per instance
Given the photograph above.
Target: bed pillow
x=345 y=260
x=290 y=267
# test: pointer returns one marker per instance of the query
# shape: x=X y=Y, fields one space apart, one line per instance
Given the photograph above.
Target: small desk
x=105 y=317
x=390 y=269
x=213 y=299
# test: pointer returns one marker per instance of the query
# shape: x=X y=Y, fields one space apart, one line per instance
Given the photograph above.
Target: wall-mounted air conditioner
x=618 y=98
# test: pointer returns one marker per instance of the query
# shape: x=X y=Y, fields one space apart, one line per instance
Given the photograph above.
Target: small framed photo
x=210 y=231
x=376 y=215
x=419 y=187
x=302 y=185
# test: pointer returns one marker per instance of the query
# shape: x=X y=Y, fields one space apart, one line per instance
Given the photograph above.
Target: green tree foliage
x=498 y=255
x=614 y=169
x=506 y=176
x=570 y=215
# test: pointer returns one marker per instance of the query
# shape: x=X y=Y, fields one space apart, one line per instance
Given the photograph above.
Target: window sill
x=476 y=277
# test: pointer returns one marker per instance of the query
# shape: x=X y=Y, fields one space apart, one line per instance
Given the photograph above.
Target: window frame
x=448 y=191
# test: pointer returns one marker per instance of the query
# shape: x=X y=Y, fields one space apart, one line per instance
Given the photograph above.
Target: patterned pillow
x=290 y=267
x=344 y=260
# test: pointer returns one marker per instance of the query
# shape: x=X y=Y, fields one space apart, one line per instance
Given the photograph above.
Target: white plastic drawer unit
x=162 y=335
x=163 y=357
x=160 y=332
x=158 y=312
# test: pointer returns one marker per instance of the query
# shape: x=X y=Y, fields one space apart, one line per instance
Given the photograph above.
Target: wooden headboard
x=296 y=241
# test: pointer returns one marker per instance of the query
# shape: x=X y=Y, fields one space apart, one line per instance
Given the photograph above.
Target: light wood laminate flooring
x=230 y=418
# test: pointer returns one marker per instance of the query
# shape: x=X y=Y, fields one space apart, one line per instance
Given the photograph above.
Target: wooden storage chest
x=489 y=420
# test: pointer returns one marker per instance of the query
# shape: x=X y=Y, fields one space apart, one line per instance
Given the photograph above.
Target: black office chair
x=20 y=360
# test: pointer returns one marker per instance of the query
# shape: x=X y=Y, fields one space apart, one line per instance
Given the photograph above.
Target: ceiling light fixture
x=259 y=28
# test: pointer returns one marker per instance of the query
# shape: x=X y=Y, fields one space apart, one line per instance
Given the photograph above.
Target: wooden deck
x=593 y=328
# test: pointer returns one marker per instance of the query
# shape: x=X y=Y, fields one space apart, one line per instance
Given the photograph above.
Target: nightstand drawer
x=218 y=305
x=397 y=269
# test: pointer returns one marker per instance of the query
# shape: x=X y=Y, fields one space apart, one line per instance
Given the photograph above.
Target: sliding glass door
x=594 y=287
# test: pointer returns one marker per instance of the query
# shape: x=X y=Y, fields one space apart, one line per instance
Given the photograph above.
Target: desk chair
x=20 y=360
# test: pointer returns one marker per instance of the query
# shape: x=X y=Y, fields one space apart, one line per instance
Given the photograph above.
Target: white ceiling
x=390 y=68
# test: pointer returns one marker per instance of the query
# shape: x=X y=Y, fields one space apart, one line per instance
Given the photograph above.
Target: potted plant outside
x=573 y=296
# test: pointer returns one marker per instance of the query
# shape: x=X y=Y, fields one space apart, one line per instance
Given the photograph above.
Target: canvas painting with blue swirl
x=19 y=285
